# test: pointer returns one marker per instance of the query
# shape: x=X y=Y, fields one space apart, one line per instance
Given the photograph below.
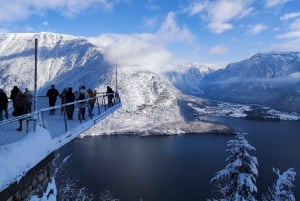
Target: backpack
x=81 y=96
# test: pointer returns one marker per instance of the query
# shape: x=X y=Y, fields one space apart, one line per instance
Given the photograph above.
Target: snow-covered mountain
x=271 y=79
x=149 y=102
x=62 y=60
x=186 y=77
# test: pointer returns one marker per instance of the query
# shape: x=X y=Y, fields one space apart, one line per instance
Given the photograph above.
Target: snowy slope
x=62 y=59
x=146 y=102
x=187 y=77
x=271 y=79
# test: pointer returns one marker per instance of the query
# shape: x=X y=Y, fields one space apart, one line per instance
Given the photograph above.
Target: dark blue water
x=171 y=168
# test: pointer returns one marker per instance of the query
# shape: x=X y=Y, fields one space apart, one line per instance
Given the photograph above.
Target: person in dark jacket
x=69 y=98
x=13 y=95
x=3 y=104
x=20 y=107
x=52 y=94
x=110 y=96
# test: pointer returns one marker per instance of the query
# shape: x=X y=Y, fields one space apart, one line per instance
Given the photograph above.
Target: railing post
x=35 y=118
x=79 y=113
x=65 y=118
x=89 y=110
x=43 y=119
x=98 y=105
x=103 y=102
x=27 y=124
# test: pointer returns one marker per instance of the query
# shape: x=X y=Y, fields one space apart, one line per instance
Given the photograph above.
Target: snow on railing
x=103 y=101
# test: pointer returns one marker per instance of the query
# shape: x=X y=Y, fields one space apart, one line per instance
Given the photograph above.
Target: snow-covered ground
x=240 y=111
x=21 y=156
x=49 y=194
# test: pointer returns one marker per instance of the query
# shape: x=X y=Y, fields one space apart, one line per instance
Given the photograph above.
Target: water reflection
x=170 y=167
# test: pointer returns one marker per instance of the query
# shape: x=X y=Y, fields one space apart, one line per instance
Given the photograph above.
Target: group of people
x=22 y=103
x=86 y=98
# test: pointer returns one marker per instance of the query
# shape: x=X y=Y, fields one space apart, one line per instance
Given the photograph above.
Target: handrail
x=39 y=114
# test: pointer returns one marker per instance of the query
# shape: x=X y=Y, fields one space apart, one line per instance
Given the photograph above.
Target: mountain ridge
x=270 y=79
x=54 y=51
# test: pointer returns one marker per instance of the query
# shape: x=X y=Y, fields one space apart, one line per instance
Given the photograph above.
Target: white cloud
x=295 y=25
x=170 y=31
x=218 y=50
x=290 y=16
x=196 y=7
x=145 y=51
x=134 y=51
x=13 y=11
x=221 y=13
x=291 y=34
x=256 y=29
x=273 y=3
x=219 y=26
x=45 y=23
x=294 y=31
x=21 y=9
x=291 y=37
x=150 y=22
x=153 y=7
x=4 y=30
x=291 y=45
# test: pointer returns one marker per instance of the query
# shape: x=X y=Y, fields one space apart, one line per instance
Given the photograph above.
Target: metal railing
x=41 y=116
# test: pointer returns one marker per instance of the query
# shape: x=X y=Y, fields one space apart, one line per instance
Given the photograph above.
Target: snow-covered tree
x=282 y=188
x=237 y=180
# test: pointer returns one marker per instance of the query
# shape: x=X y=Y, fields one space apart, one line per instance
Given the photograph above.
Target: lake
x=170 y=168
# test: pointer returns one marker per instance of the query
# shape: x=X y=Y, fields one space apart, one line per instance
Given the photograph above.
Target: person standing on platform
x=13 y=95
x=3 y=104
x=29 y=98
x=20 y=107
x=82 y=96
x=62 y=96
x=92 y=95
x=110 y=96
x=52 y=94
x=70 y=97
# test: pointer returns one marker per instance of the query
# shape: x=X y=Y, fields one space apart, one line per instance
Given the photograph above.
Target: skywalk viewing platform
x=58 y=125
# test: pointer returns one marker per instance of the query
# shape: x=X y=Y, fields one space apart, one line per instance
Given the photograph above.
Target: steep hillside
x=187 y=77
x=62 y=60
x=260 y=66
x=271 y=79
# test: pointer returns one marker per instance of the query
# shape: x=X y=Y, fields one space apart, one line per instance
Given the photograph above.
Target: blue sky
x=204 y=31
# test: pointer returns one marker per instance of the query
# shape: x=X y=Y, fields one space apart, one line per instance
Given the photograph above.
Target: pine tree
x=282 y=188
x=237 y=180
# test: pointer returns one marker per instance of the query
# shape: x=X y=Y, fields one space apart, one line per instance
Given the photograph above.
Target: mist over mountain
x=271 y=79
